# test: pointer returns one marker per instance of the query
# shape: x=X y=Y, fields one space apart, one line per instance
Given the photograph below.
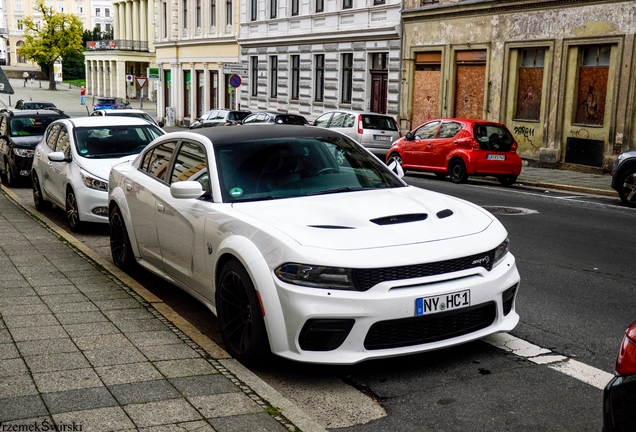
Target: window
x=164 y=7
x=98 y=12
x=347 y=77
x=530 y=84
x=80 y=9
x=19 y=25
x=379 y=2
x=254 y=75
x=191 y=165
x=295 y=77
x=320 y=5
x=18 y=5
x=592 y=91
x=426 y=131
x=273 y=7
x=295 y=7
x=273 y=77
x=448 y=130
x=98 y=26
x=427 y=2
x=156 y=161
x=107 y=12
x=319 y=81
x=212 y=13
x=228 y=12
x=254 y=10
x=347 y=4
x=108 y=27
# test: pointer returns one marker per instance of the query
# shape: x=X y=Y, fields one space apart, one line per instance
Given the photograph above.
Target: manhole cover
x=512 y=211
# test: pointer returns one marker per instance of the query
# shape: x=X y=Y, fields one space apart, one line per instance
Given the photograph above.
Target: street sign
x=141 y=81
x=235 y=68
x=153 y=73
x=235 y=81
x=129 y=78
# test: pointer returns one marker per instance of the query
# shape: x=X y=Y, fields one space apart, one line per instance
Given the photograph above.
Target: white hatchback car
x=312 y=259
x=72 y=162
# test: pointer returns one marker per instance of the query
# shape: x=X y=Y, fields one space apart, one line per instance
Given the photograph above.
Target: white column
x=121 y=30
x=206 y=86
x=135 y=21
x=143 y=21
x=129 y=21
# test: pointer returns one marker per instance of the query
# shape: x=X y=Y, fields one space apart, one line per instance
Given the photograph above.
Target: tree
x=57 y=37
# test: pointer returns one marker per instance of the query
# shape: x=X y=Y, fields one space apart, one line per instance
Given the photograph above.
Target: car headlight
x=501 y=251
x=316 y=276
x=93 y=182
x=23 y=152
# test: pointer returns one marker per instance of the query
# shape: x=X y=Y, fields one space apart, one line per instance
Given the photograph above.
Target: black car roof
x=35 y=112
x=229 y=135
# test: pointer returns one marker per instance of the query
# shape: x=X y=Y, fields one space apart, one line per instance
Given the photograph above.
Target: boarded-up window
x=426 y=85
x=530 y=85
x=470 y=76
x=593 y=74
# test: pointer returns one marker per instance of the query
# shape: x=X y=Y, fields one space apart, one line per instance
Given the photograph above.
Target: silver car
x=374 y=131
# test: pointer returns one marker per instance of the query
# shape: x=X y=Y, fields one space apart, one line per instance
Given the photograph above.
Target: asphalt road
x=576 y=299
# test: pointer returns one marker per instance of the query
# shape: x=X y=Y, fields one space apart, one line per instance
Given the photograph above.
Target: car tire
x=507 y=180
x=11 y=181
x=120 y=247
x=38 y=199
x=72 y=211
x=457 y=171
x=394 y=157
x=240 y=317
x=627 y=188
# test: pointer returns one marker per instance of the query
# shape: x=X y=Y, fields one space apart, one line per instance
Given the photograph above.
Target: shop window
x=530 y=85
x=592 y=90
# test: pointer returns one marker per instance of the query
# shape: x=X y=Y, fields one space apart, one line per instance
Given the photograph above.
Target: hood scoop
x=330 y=227
x=444 y=213
x=398 y=219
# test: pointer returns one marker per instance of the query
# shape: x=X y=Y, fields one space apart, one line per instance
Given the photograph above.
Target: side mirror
x=396 y=168
x=161 y=124
x=58 y=157
x=186 y=189
x=409 y=136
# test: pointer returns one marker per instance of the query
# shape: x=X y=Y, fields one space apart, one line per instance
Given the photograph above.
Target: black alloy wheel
x=72 y=211
x=240 y=316
x=627 y=189
x=457 y=171
x=507 y=180
x=38 y=199
x=120 y=248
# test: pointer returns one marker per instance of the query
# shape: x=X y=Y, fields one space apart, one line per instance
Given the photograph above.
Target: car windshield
x=113 y=141
x=293 y=167
x=493 y=137
x=38 y=105
x=237 y=116
x=28 y=126
x=378 y=122
x=291 y=119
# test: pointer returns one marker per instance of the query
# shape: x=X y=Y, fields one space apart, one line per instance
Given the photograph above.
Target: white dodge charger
x=305 y=245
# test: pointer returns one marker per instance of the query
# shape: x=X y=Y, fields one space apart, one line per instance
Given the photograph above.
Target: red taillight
x=360 y=124
x=626 y=360
x=513 y=147
x=474 y=144
x=115 y=106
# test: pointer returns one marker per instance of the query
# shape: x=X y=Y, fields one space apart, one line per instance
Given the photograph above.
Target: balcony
x=117 y=44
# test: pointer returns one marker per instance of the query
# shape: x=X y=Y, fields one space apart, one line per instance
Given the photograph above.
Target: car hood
x=29 y=141
x=370 y=219
x=101 y=167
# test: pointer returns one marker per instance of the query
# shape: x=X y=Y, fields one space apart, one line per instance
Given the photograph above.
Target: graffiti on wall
x=580 y=133
x=525 y=134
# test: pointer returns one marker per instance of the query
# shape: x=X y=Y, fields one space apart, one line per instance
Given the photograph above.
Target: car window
x=113 y=141
x=156 y=161
x=449 y=130
x=493 y=137
x=349 y=121
x=323 y=120
x=63 y=141
x=191 y=164
x=426 y=131
x=3 y=125
x=250 y=119
x=51 y=136
x=237 y=116
x=31 y=126
x=377 y=122
x=337 y=120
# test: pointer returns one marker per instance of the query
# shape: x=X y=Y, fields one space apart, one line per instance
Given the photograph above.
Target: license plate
x=381 y=137
x=441 y=303
x=495 y=157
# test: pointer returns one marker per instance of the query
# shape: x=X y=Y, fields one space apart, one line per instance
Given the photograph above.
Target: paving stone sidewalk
x=81 y=350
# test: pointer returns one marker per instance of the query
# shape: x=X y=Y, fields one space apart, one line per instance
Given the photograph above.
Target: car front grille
x=364 y=279
x=430 y=328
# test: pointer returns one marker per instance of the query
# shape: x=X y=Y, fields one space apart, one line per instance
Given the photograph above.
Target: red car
x=459 y=148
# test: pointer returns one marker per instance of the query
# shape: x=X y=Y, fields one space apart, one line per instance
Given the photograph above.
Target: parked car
x=128 y=113
x=619 y=396
x=310 y=259
x=624 y=177
x=34 y=105
x=71 y=163
x=219 y=117
x=271 y=117
x=20 y=132
x=111 y=103
x=374 y=131
x=459 y=148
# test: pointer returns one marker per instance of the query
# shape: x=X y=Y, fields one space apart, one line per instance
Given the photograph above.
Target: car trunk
x=493 y=137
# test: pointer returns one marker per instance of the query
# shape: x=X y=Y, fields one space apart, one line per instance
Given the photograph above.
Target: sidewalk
x=81 y=349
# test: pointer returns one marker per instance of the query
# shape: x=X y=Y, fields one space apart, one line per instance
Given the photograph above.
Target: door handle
x=128 y=187
x=160 y=207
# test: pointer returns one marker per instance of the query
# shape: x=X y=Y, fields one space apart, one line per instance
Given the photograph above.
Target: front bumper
x=92 y=204
x=344 y=327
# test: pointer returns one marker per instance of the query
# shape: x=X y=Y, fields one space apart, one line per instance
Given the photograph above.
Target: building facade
x=560 y=74
x=195 y=41
x=308 y=57
x=112 y=66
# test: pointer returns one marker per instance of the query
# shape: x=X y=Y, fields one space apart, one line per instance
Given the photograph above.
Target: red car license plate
x=495 y=157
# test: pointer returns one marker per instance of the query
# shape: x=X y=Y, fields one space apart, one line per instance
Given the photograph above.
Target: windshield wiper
x=336 y=190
